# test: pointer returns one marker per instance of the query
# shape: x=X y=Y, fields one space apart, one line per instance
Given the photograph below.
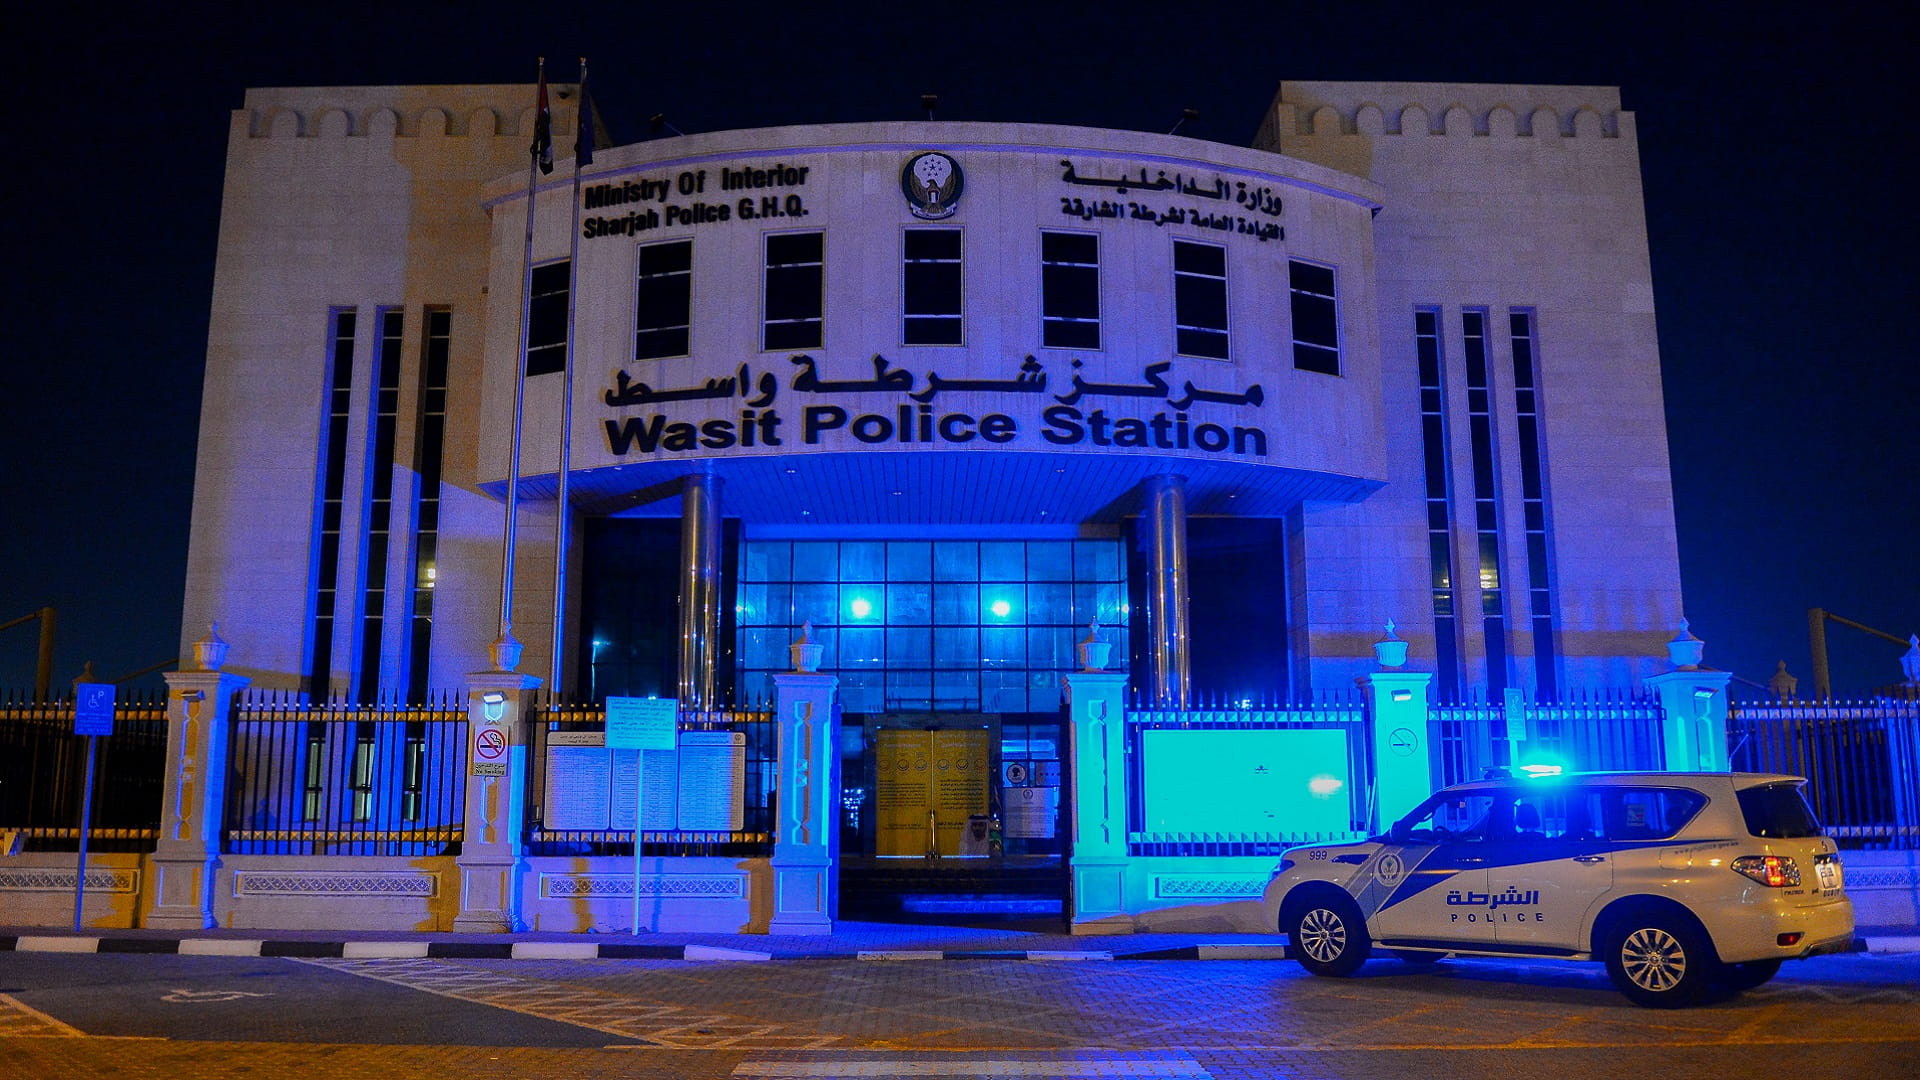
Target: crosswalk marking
x=671 y=1026
x=1056 y=1068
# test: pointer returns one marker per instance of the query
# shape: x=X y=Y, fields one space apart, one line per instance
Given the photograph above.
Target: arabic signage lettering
x=1493 y=903
x=682 y=199
x=917 y=421
x=1235 y=208
x=642 y=723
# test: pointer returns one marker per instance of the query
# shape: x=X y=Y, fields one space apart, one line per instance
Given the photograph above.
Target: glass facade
x=930 y=625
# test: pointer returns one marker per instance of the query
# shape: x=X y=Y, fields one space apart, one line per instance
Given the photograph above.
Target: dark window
x=379 y=508
x=1316 y=324
x=663 y=300
x=333 y=480
x=547 y=319
x=1778 y=812
x=1533 y=498
x=1485 y=497
x=931 y=287
x=1069 y=290
x=429 y=451
x=1433 y=436
x=795 y=279
x=1200 y=300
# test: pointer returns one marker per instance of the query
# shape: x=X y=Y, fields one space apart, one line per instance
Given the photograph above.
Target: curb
x=376 y=950
x=1889 y=945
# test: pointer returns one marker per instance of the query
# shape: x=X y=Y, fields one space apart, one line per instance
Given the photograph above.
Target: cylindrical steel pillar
x=699 y=589
x=1166 y=541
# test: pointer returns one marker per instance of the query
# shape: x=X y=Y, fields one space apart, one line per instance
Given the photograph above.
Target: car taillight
x=1773 y=871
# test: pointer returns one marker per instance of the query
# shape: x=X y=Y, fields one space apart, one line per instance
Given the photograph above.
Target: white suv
x=1682 y=883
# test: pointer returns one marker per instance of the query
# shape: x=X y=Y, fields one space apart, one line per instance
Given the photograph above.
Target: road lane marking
x=20 y=1020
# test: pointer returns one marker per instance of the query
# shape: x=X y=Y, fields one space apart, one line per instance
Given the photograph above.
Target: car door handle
x=1589 y=858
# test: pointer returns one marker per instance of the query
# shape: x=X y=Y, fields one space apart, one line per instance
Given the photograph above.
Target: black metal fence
x=43 y=775
x=754 y=839
x=1861 y=760
x=345 y=779
x=1603 y=734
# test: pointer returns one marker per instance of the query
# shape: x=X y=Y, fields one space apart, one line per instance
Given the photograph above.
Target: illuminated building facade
x=947 y=394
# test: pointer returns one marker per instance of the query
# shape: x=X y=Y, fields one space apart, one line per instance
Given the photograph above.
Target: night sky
x=1777 y=143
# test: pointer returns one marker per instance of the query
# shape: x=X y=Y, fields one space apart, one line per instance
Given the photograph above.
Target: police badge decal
x=931 y=182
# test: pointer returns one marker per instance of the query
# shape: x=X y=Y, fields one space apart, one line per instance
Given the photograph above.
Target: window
x=1433 y=439
x=930 y=624
x=333 y=481
x=1486 y=515
x=931 y=288
x=663 y=300
x=429 y=453
x=1316 y=326
x=1533 y=498
x=547 y=319
x=794 y=283
x=1200 y=300
x=379 y=509
x=1069 y=290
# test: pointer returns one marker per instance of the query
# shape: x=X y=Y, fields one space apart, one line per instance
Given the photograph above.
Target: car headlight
x=1773 y=871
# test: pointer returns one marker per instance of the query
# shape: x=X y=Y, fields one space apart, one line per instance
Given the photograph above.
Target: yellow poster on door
x=903 y=793
x=960 y=760
x=927 y=783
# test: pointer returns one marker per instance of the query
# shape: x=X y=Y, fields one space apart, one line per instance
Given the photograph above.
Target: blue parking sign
x=92 y=708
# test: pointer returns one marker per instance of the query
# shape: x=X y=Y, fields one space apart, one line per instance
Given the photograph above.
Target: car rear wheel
x=1328 y=935
x=1660 y=961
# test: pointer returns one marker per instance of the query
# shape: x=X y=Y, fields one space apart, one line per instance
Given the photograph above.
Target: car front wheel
x=1328 y=935
x=1660 y=962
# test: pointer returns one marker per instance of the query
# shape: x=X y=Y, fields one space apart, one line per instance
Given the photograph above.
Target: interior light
x=1000 y=608
x=1324 y=786
x=861 y=608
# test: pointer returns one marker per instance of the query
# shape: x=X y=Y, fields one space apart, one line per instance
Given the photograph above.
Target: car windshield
x=1778 y=812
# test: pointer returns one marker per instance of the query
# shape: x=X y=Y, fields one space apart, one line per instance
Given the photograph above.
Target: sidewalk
x=863 y=940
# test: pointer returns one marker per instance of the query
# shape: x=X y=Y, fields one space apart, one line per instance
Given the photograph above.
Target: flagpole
x=582 y=147
x=506 y=650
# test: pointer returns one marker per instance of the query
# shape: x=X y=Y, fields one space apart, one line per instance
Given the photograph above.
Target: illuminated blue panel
x=1265 y=781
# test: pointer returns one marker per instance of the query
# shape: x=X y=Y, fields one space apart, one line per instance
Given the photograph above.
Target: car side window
x=1462 y=817
x=1649 y=813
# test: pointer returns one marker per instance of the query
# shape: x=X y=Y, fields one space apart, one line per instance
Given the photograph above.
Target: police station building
x=948 y=399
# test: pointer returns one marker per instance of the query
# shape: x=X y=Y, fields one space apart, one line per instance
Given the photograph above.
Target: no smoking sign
x=490 y=752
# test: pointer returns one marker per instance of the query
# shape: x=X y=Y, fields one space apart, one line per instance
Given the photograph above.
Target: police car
x=1682 y=883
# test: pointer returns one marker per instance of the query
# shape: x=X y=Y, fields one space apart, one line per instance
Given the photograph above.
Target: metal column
x=699 y=589
x=1167 y=626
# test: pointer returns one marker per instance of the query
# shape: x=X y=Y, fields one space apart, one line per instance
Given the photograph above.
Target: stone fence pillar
x=193 y=792
x=490 y=859
x=806 y=830
x=1097 y=771
x=1694 y=700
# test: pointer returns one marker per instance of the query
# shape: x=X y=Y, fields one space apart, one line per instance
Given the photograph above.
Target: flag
x=583 y=135
x=542 y=148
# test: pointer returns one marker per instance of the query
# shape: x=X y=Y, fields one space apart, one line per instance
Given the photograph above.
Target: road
x=181 y=1017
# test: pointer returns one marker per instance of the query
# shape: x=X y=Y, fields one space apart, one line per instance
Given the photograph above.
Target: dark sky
x=1777 y=142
